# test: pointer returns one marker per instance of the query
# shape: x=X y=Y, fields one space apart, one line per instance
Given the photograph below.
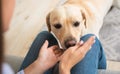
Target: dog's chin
x=65 y=48
x=62 y=47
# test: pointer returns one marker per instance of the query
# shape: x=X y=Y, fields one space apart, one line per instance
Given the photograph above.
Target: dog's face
x=67 y=23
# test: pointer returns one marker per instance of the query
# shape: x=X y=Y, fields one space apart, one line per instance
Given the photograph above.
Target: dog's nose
x=70 y=43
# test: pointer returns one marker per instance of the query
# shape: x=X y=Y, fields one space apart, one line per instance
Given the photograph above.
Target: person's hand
x=74 y=54
x=47 y=58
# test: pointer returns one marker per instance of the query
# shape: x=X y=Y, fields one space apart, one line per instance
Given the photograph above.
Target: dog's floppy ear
x=84 y=18
x=48 y=22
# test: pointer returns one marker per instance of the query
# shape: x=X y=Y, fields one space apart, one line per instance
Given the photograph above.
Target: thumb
x=45 y=45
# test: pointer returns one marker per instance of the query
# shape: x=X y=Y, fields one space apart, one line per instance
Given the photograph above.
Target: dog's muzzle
x=70 y=42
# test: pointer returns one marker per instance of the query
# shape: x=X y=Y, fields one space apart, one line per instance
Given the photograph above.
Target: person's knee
x=86 y=37
x=44 y=32
x=45 y=35
x=97 y=50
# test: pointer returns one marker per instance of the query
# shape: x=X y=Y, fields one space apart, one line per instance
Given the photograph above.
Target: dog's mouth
x=67 y=43
x=70 y=42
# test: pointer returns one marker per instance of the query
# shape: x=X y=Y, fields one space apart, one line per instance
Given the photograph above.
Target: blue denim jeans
x=94 y=59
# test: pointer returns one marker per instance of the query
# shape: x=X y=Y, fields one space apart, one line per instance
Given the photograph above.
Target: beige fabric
x=28 y=19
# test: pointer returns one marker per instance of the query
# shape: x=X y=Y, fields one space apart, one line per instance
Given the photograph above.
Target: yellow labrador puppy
x=76 y=18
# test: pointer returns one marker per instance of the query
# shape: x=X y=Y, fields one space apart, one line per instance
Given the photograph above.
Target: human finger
x=45 y=45
x=76 y=46
x=87 y=45
x=58 y=51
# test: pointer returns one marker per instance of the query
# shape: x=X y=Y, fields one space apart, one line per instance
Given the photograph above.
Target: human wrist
x=63 y=69
x=34 y=68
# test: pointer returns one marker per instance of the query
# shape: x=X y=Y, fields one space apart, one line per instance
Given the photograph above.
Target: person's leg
x=35 y=48
x=94 y=59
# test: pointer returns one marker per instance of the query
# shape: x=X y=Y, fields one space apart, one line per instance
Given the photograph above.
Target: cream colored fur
x=89 y=13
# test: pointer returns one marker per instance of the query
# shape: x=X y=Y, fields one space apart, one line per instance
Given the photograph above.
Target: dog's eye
x=57 y=26
x=76 y=24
